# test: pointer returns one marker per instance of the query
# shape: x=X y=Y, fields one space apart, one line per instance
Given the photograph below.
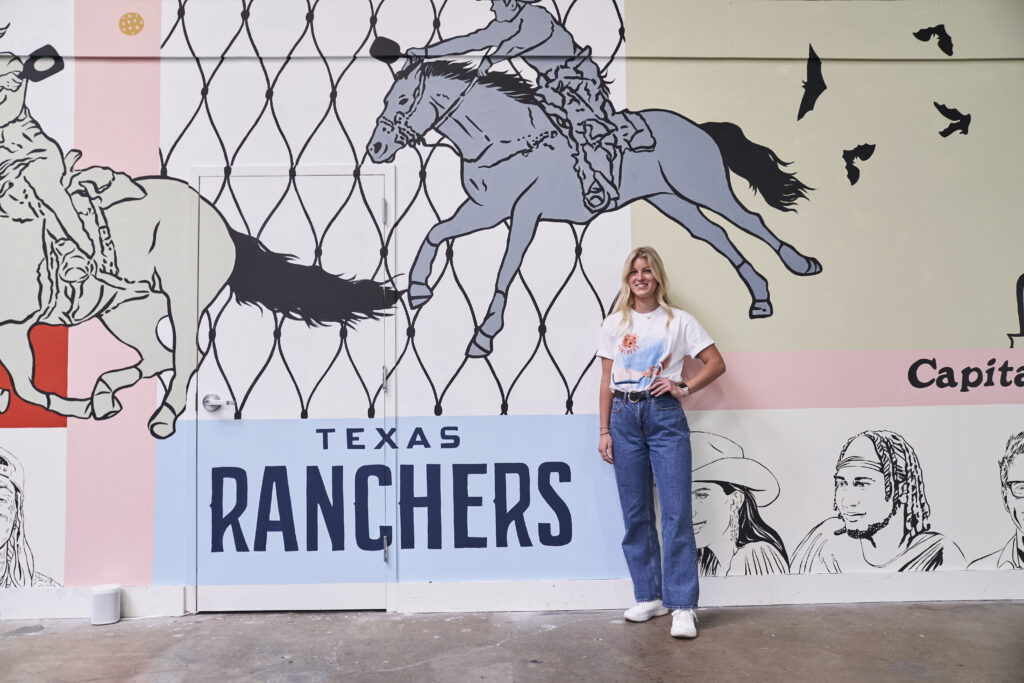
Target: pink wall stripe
x=111 y=463
x=854 y=379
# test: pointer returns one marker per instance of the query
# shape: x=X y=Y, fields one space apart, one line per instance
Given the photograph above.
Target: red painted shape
x=50 y=346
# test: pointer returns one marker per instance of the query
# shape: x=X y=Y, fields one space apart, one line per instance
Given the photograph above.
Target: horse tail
x=309 y=293
x=759 y=165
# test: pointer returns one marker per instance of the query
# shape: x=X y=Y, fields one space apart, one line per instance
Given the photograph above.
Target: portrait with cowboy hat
x=728 y=491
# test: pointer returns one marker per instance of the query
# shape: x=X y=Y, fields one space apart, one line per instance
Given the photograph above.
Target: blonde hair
x=624 y=304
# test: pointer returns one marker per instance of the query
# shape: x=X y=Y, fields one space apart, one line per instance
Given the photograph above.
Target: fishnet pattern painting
x=291 y=86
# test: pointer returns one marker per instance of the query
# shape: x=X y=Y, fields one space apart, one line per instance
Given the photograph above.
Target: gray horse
x=516 y=165
x=155 y=230
x=77 y=245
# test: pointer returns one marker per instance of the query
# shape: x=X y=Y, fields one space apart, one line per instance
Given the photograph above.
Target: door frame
x=343 y=596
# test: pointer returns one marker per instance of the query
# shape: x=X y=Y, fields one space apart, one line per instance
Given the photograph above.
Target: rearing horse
x=516 y=164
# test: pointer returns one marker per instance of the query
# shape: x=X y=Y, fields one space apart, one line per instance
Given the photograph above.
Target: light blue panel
x=590 y=496
x=255 y=445
x=547 y=448
x=174 y=532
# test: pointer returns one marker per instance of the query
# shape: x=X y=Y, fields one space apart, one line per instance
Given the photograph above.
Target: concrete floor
x=834 y=643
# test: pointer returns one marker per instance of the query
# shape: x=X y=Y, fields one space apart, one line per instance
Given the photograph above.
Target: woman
x=643 y=430
x=728 y=492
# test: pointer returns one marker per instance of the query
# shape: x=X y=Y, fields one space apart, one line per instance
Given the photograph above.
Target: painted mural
x=339 y=296
x=1011 y=480
x=883 y=514
x=19 y=565
x=729 y=490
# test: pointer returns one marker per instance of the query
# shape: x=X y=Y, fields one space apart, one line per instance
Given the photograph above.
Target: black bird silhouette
x=961 y=122
x=813 y=86
x=945 y=42
x=860 y=152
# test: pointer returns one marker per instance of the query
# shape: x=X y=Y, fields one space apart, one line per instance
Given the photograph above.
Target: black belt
x=633 y=396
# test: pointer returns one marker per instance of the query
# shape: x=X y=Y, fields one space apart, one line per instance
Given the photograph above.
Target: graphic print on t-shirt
x=640 y=361
x=653 y=345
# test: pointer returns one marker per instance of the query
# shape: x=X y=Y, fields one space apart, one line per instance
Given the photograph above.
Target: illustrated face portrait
x=8 y=509
x=860 y=492
x=641 y=278
x=1013 y=492
x=712 y=511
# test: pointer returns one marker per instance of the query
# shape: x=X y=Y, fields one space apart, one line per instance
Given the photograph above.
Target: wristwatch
x=686 y=389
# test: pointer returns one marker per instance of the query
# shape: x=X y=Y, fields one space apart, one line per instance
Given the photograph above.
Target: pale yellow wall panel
x=855 y=29
x=923 y=252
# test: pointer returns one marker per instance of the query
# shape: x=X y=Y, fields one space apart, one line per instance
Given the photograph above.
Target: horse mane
x=513 y=85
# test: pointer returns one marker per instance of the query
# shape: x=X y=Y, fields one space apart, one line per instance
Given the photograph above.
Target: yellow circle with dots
x=131 y=23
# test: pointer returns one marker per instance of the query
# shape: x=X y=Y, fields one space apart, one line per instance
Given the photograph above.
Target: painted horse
x=154 y=229
x=516 y=165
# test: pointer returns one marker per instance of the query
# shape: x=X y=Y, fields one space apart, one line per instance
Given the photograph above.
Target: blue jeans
x=653 y=436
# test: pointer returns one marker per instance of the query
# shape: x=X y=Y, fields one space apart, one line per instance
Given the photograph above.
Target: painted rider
x=33 y=168
x=570 y=89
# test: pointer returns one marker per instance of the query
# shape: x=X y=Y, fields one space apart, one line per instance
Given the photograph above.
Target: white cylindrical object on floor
x=106 y=604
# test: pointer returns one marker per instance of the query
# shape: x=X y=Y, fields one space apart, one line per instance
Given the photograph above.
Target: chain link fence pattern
x=260 y=84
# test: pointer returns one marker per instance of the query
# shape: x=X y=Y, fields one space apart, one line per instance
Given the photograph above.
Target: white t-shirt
x=650 y=348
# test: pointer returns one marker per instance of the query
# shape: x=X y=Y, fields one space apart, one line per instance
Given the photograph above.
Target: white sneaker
x=684 y=623
x=642 y=611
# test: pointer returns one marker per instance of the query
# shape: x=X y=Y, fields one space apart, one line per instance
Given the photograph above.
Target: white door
x=293 y=475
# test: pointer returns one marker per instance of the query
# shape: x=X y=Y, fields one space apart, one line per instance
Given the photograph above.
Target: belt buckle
x=639 y=395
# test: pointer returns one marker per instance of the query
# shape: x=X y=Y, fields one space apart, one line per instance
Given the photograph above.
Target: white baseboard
x=76 y=603
x=730 y=591
x=810 y=589
x=292 y=598
x=517 y=596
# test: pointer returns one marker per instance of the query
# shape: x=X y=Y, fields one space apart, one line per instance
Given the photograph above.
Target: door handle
x=213 y=402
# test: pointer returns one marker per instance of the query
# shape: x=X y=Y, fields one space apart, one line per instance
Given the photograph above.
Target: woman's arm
x=714 y=367
x=604 y=445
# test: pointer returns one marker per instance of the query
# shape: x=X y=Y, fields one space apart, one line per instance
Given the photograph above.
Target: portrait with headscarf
x=882 y=521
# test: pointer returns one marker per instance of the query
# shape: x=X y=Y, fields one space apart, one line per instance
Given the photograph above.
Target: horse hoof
x=797 y=263
x=480 y=347
x=161 y=425
x=419 y=294
x=761 y=309
x=161 y=430
x=5 y=401
x=494 y=320
x=107 y=407
x=104 y=403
